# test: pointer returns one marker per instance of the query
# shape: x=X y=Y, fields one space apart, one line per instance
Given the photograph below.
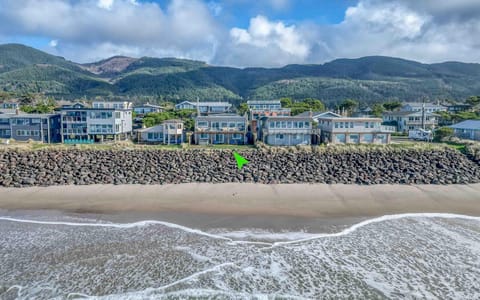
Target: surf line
x=385 y=218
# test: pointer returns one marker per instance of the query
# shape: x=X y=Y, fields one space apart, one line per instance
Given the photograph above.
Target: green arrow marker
x=240 y=160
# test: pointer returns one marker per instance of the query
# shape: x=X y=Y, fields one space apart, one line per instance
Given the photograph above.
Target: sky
x=246 y=33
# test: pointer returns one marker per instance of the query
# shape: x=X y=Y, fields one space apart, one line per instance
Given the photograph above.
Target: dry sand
x=292 y=200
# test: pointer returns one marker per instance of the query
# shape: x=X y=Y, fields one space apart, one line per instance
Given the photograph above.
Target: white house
x=410 y=120
x=286 y=131
x=337 y=129
x=206 y=107
x=169 y=132
x=220 y=129
x=147 y=108
x=418 y=106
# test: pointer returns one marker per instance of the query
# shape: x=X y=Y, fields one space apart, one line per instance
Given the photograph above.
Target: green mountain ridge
x=368 y=79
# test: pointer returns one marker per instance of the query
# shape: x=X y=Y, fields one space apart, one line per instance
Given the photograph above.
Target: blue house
x=43 y=128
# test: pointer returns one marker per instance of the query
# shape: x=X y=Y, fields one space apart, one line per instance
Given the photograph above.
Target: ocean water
x=411 y=256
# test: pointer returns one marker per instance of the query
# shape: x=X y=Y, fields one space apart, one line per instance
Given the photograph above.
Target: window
x=203 y=136
x=150 y=135
x=336 y=125
x=372 y=124
x=272 y=125
x=300 y=124
x=28 y=133
x=202 y=124
x=215 y=125
x=410 y=118
x=366 y=124
x=289 y=124
x=295 y=124
x=35 y=121
x=179 y=126
x=117 y=115
x=341 y=124
x=237 y=136
x=307 y=124
x=117 y=127
x=351 y=124
x=279 y=136
x=277 y=125
x=284 y=124
x=231 y=125
x=224 y=124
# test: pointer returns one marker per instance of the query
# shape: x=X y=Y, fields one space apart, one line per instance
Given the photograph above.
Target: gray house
x=287 y=131
x=169 y=132
x=147 y=108
x=469 y=129
x=102 y=121
x=206 y=107
x=337 y=129
x=37 y=127
x=220 y=129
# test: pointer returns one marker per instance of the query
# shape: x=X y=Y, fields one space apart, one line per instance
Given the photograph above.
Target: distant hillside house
x=9 y=105
x=286 y=131
x=220 y=129
x=266 y=108
x=410 y=120
x=455 y=108
x=469 y=129
x=147 y=109
x=43 y=128
x=206 y=107
x=418 y=106
x=169 y=132
x=102 y=121
x=337 y=129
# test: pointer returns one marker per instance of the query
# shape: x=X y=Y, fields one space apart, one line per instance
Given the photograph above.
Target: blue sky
x=246 y=32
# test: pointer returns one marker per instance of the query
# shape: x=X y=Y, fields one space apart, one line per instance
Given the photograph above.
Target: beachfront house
x=147 y=108
x=419 y=106
x=405 y=121
x=169 y=132
x=469 y=129
x=337 y=129
x=205 y=108
x=287 y=131
x=43 y=128
x=99 y=122
x=220 y=129
x=266 y=108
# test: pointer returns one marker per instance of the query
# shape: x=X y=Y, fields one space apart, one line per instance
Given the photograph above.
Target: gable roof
x=468 y=124
x=404 y=113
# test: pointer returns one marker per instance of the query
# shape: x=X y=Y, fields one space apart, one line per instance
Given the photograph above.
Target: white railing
x=386 y=128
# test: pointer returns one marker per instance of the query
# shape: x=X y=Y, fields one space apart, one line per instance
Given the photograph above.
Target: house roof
x=468 y=124
x=23 y=116
x=287 y=118
x=206 y=103
x=148 y=105
x=263 y=102
x=221 y=116
x=420 y=104
x=156 y=128
x=319 y=114
x=406 y=113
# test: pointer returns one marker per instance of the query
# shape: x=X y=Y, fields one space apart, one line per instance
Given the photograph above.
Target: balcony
x=291 y=131
x=386 y=128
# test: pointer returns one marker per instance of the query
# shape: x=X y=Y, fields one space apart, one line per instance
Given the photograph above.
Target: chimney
x=310 y=114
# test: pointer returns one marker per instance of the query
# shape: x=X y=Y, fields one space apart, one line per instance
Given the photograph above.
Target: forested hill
x=368 y=79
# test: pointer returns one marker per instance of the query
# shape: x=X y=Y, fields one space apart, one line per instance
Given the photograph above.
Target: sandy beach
x=243 y=199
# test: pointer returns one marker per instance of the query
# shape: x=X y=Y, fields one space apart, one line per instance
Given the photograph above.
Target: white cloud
x=106 y=4
x=427 y=30
x=270 y=37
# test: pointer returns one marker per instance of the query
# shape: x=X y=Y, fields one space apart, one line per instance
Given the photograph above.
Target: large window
x=101 y=114
x=28 y=133
x=203 y=136
x=202 y=124
x=237 y=136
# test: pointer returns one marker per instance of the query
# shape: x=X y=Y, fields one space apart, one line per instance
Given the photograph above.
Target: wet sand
x=312 y=207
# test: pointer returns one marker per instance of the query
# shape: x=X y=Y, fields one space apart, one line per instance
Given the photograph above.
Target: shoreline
x=248 y=199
